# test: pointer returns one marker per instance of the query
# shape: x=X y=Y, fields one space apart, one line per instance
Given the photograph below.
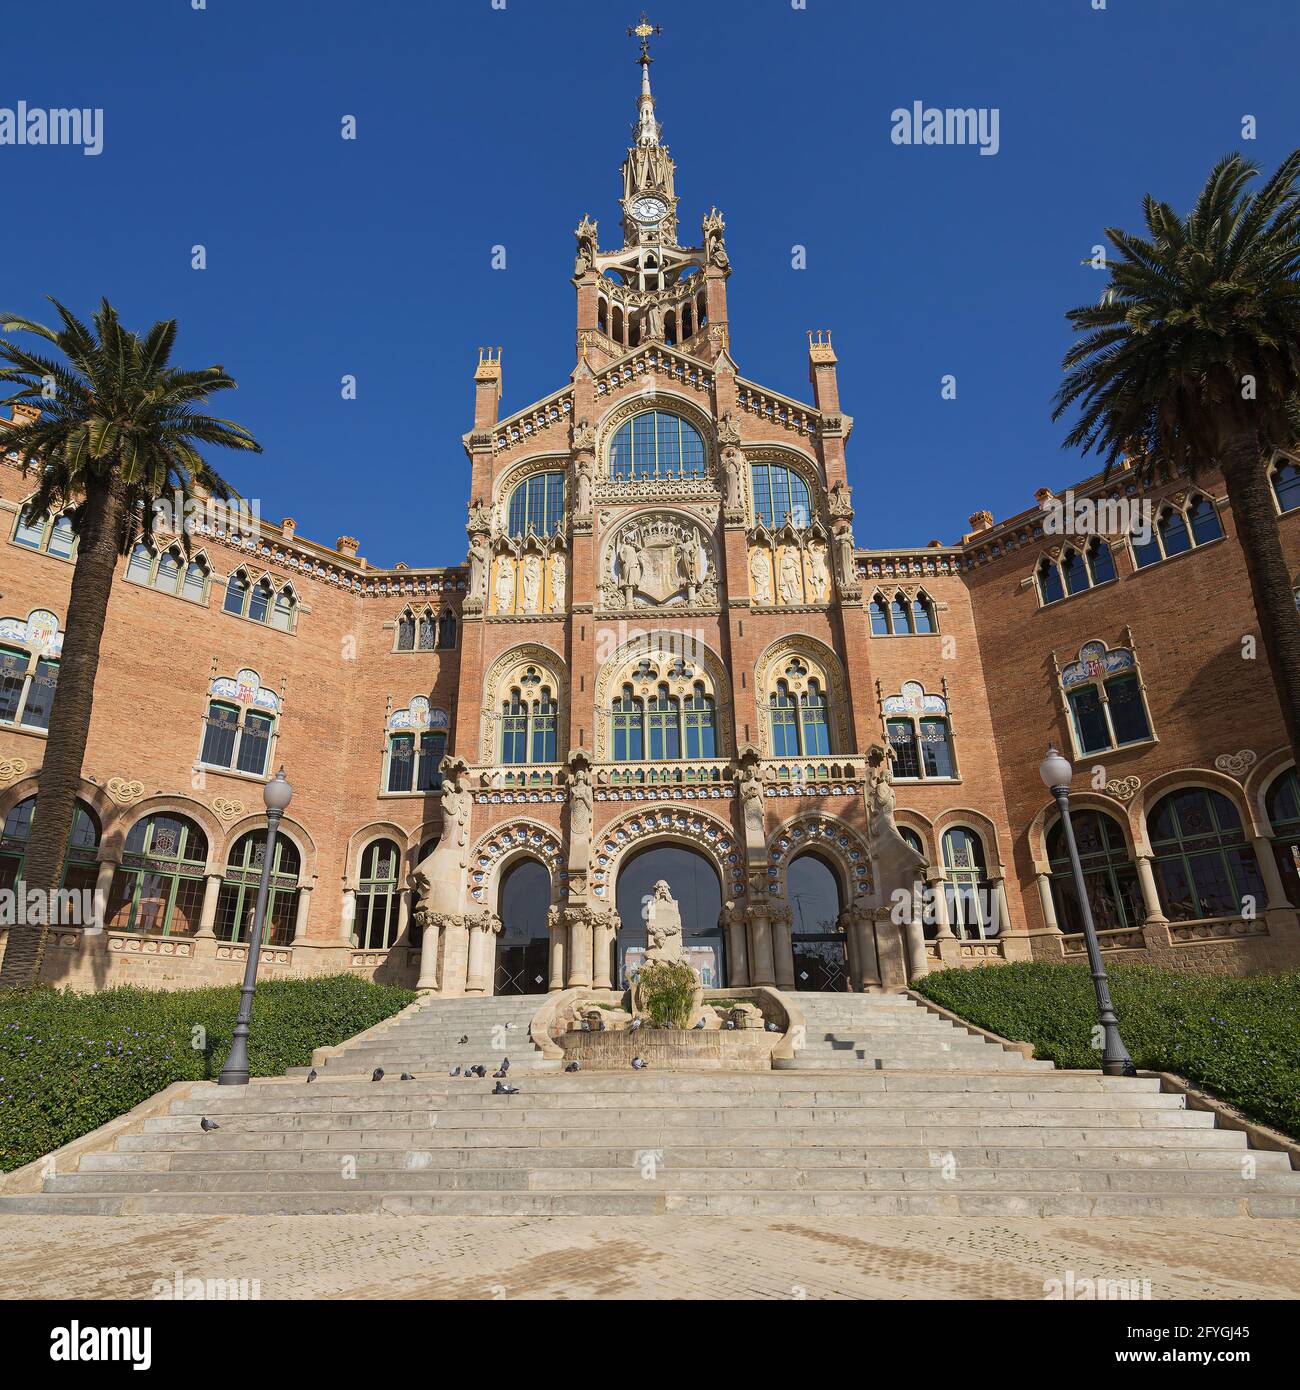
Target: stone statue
x=688 y=559
x=735 y=482
x=819 y=572
x=439 y=878
x=845 y=566
x=505 y=585
x=630 y=566
x=751 y=799
x=582 y=497
x=557 y=583
x=728 y=428
x=663 y=925
x=587 y=245
x=760 y=571
x=478 y=567
x=532 y=583
x=790 y=585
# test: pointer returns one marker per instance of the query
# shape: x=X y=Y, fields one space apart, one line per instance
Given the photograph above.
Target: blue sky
x=480 y=126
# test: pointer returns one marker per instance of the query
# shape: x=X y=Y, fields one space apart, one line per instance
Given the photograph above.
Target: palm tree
x=117 y=429
x=1192 y=361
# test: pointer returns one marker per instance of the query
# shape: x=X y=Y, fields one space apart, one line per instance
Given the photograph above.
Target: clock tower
x=652 y=289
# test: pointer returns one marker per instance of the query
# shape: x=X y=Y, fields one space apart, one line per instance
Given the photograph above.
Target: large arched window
x=693 y=882
x=967 y=886
x=158 y=890
x=1104 y=694
x=1075 y=572
x=80 y=869
x=378 y=896
x=1108 y=873
x=779 y=492
x=1178 y=529
x=920 y=733
x=656 y=446
x=528 y=718
x=813 y=892
x=1283 y=806
x=53 y=535
x=523 y=946
x=1204 y=865
x=237 y=900
x=897 y=615
x=536 y=505
x=799 y=711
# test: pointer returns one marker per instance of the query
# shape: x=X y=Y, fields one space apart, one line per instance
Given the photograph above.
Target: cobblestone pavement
x=642 y=1257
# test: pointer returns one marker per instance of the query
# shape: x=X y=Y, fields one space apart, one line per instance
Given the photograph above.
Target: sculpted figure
x=735 y=483
x=630 y=566
x=532 y=583
x=582 y=498
x=557 y=584
x=844 y=564
x=580 y=804
x=478 y=567
x=505 y=585
x=790 y=576
x=663 y=925
x=819 y=572
x=760 y=572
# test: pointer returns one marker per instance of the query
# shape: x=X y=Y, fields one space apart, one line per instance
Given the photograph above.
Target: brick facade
x=653 y=334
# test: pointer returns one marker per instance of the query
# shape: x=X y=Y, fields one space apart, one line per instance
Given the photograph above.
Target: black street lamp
x=1056 y=773
x=277 y=795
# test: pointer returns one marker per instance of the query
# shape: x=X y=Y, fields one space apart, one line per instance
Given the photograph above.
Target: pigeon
x=729 y=1024
x=455 y=1071
x=584 y=1026
x=634 y=1025
x=311 y=1075
x=772 y=1028
x=509 y=1026
x=464 y=1038
x=638 y=1063
x=377 y=1074
x=700 y=1024
x=207 y=1125
x=406 y=1076
x=505 y=1067
x=501 y=1089
x=573 y=1066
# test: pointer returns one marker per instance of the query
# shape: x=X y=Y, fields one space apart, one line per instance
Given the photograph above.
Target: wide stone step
x=540 y=1158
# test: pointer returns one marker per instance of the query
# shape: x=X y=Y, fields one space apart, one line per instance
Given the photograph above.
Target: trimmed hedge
x=1239 y=1038
x=71 y=1062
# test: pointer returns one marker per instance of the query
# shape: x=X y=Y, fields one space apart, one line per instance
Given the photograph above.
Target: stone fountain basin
x=672 y=1049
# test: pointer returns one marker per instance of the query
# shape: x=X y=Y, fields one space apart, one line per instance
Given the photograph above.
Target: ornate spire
x=647 y=128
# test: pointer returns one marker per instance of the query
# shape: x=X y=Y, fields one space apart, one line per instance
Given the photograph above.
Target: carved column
x=432 y=924
x=782 y=947
x=604 y=931
x=940 y=900
x=851 y=947
x=915 y=934
x=762 y=971
x=579 y=948
x=864 y=929
x=733 y=924
x=208 y=912
x=1048 y=902
x=483 y=929
x=304 y=910
x=555 y=926
x=349 y=915
x=1272 y=877
x=1150 y=897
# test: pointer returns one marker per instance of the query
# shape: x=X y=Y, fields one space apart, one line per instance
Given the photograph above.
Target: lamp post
x=1056 y=773
x=277 y=795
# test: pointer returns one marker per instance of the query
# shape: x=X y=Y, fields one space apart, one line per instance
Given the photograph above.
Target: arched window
x=900 y=617
x=536 y=505
x=922 y=615
x=1107 y=706
x=813 y=892
x=260 y=602
x=656 y=446
x=627 y=717
x=779 y=492
x=1075 y=570
x=26 y=688
x=80 y=867
x=966 y=885
x=426 y=636
x=237 y=900
x=879 y=616
x=1177 y=530
x=51 y=535
x=1108 y=873
x=447 y=630
x=1286 y=485
x=413 y=759
x=239 y=725
x=1204 y=864
x=919 y=733
x=1282 y=803
x=799 y=711
x=416 y=631
x=1101 y=562
x=664 y=721
x=664 y=708
x=406 y=632
x=158 y=889
x=378 y=896
x=527 y=718
x=1050 y=588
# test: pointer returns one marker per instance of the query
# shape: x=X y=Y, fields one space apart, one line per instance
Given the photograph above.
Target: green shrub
x=1238 y=1038
x=667 y=992
x=71 y=1062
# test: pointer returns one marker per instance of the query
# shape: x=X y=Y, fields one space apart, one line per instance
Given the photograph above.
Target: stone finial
x=934 y=545
x=489 y=365
x=1043 y=496
x=347 y=547
x=24 y=414
x=820 y=350
x=287 y=527
x=981 y=521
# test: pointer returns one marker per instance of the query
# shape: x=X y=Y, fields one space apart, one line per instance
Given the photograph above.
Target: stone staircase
x=889 y=1110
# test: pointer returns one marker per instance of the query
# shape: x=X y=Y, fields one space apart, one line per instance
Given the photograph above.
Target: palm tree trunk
x=100 y=544
x=1251 y=498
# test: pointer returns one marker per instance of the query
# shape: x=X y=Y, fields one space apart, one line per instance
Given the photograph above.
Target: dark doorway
x=814 y=894
x=694 y=883
x=523 y=947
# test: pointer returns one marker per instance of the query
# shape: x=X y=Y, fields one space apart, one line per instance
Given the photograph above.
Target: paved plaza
x=660 y=1257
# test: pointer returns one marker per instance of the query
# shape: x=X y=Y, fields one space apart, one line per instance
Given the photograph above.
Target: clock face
x=649 y=209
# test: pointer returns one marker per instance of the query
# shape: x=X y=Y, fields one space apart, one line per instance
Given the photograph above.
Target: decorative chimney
x=287 y=527
x=347 y=547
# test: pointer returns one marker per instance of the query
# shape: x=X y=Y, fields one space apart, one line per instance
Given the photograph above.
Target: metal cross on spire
x=644 y=31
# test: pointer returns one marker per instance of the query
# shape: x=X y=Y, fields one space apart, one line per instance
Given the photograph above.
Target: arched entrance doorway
x=694 y=883
x=523 y=946
x=813 y=890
